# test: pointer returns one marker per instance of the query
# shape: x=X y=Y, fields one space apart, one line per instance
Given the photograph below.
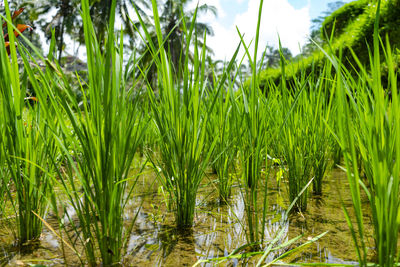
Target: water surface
x=217 y=230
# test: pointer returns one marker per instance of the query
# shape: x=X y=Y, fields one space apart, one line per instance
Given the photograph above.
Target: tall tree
x=171 y=19
x=174 y=15
x=66 y=20
x=271 y=57
x=100 y=14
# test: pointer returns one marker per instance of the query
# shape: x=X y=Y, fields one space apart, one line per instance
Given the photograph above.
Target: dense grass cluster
x=75 y=159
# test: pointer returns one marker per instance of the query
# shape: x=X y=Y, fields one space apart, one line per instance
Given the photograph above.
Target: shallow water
x=217 y=230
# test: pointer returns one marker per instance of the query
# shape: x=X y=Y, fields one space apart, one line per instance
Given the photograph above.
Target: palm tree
x=170 y=18
x=100 y=14
x=129 y=26
x=174 y=16
x=67 y=21
x=272 y=57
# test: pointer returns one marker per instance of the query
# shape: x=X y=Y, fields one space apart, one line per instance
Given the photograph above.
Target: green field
x=149 y=159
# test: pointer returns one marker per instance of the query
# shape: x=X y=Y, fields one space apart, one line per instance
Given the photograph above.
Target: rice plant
x=297 y=141
x=181 y=119
x=27 y=146
x=108 y=133
x=376 y=137
x=98 y=143
x=335 y=148
x=221 y=128
x=253 y=131
x=305 y=141
x=320 y=101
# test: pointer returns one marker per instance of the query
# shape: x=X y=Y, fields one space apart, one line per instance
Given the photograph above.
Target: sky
x=291 y=19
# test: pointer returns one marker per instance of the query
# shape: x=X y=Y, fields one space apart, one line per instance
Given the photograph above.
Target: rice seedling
x=252 y=111
x=4 y=177
x=321 y=98
x=181 y=120
x=335 y=149
x=27 y=145
x=221 y=128
x=306 y=109
x=297 y=141
x=98 y=143
x=108 y=133
x=258 y=132
x=375 y=136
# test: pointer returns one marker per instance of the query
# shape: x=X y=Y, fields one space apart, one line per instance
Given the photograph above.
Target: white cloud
x=278 y=16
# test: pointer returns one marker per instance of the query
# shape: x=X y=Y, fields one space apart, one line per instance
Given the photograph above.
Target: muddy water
x=217 y=231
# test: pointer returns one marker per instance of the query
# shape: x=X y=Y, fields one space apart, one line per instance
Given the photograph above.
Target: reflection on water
x=217 y=231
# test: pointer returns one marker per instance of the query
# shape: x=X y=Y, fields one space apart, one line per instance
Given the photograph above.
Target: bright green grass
x=87 y=149
x=222 y=128
x=375 y=136
x=181 y=117
x=97 y=142
x=106 y=135
x=28 y=147
x=252 y=110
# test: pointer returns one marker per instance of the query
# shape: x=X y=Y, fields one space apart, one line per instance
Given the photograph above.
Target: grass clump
x=97 y=141
x=181 y=117
x=306 y=105
x=297 y=143
x=321 y=101
x=27 y=146
x=376 y=137
x=222 y=130
x=106 y=135
x=252 y=110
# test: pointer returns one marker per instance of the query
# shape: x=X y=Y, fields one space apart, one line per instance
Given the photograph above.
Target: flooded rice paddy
x=217 y=230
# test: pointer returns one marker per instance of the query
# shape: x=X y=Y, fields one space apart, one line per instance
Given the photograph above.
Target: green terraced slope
x=352 y=27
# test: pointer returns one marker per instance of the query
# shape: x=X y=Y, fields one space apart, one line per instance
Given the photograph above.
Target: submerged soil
x=217 y=230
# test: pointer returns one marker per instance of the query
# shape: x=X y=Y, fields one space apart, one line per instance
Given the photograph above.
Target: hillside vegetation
x=349 y=31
